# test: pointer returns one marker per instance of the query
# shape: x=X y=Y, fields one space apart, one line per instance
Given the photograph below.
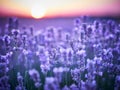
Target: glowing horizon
x=51 y=8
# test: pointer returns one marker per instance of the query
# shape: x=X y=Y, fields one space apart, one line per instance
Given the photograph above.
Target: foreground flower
x=51 y=83
x=117 y=83
x=74 y=87
x=20 y=82
x=34 y=74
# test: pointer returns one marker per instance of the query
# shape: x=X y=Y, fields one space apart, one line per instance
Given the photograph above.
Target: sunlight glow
x=38 y=11
x=52 y=8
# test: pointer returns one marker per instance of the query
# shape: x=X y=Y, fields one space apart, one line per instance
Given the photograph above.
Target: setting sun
x=38 y=12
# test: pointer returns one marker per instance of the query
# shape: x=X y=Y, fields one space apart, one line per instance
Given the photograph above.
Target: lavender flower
x=75 y=74
x=4 y=83
x=74 y=87
x=65 y=88
x=34 y=74
x=58 y=73
x=15 y=32
x=45 y=68
x=117 y=82
x=51 y=84
x=7 y=40
x=20 y=82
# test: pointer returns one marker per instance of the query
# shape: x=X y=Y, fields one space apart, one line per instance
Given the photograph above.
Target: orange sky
x=60 y=7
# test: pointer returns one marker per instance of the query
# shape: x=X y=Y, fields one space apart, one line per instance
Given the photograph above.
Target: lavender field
x=60 y=54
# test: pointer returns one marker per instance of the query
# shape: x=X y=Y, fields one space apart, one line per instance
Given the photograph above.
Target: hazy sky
x=51 y=8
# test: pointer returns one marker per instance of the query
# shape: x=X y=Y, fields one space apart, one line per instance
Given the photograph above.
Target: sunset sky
x=56 y=8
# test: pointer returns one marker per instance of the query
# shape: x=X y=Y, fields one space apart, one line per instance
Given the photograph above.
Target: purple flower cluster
x=4 y=62
x=89 y=51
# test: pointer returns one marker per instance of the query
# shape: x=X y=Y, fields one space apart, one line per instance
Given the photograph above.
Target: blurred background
x=59 y=8
x=58 y=13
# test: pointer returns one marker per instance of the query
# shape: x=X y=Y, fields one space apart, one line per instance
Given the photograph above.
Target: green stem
x=66 y=78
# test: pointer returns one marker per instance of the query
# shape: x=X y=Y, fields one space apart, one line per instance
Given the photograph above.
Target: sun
x=38 y=12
